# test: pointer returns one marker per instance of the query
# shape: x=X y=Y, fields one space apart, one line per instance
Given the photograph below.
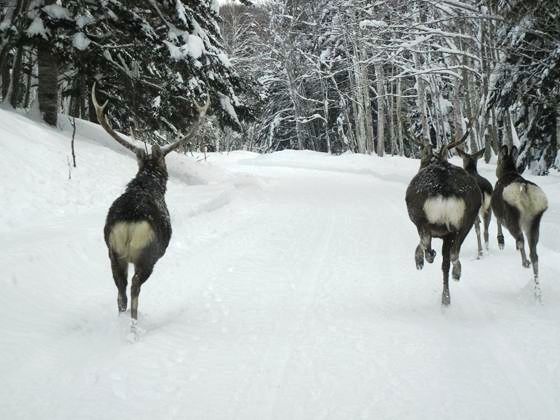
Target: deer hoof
x=445 y=298
x=430 y=255
x=526 y=263
x=456 y=272
x=501 y=241
x=419 y=257
x=122 y=304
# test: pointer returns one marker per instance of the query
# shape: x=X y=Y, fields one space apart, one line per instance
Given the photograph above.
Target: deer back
x=443 y=197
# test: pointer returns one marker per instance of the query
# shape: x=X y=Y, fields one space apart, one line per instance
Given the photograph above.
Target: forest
x=365 y=76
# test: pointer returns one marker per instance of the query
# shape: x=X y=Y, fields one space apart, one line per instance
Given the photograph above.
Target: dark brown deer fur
x=443 y=201
x=470 y=165
x=138 y=229
x=518 y=205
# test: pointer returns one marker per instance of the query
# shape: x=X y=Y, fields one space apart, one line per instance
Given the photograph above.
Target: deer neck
x=471 y=169
x=153 y=180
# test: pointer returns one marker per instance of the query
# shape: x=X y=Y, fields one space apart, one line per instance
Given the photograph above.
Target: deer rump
x=137 y=229
x=523 y=201
x=443 y=199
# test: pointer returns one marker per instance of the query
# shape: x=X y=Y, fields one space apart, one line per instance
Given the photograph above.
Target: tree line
x=372 y=76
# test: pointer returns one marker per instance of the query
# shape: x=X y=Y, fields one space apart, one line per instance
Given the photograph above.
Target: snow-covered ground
x=288 y=291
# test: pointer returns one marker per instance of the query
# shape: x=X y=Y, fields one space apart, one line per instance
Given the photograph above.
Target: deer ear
x=514 y=153
x=479 y=154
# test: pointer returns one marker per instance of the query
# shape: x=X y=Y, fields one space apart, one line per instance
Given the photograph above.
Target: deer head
x=428 y=156
x=470 y=160
x=506 y=161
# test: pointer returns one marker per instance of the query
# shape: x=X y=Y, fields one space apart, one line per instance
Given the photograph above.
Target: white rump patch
x=529 y=199
x=129 y=239
x=448 y=211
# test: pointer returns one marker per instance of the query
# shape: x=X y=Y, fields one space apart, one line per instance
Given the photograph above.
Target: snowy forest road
x=294 y=297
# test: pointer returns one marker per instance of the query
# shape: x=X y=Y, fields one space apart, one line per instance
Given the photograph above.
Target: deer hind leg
x=445 y=253
x=478 y=239
x=533 y=239
x=520 y=245
x=119 y=267
x=456 y=272
x=456 y=242
x=424 y=248
x=141 y=274
x=486 y=217
x=500 y=235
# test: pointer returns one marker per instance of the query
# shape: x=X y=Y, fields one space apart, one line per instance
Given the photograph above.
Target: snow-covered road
x=289 y=291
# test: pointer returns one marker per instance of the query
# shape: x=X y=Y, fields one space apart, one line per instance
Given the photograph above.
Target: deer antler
x=448 y=147
x=100 y=112
x=192 y=130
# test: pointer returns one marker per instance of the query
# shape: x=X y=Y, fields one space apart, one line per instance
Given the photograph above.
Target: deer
x=470 y=165
x=443 y=201
x=138 y=227
x=519 y=205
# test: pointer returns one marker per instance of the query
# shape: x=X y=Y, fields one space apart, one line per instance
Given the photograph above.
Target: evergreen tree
x=527 y=80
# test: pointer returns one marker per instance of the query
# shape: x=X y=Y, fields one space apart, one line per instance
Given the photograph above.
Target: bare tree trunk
x=368 y=114
x=351 y=137
x=297 y=108
x=420 y=84
x=508 y=135
x=29 y=78
x=14 y=9
x=380 y=108
x=48 y=84
x=357 y=112
x=15 y=84
x=457 y=114
x=326 y=112
x=5 y=75
x=392 y=125
x=399 y=117
x=421 y=101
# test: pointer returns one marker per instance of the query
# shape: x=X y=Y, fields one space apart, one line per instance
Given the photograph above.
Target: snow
x=228 y=108
x=57 y=12
x=288 y=291
x=37 y=28
x=372 y=24
x=224 y=59
x=80 y=41
x=194 y=47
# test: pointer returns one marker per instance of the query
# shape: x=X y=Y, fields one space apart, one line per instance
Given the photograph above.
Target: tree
x=526 y=83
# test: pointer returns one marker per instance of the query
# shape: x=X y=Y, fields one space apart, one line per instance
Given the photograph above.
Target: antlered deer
x=469 y=164
x=443 y=201
x=138 y=229
x=519 y=205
